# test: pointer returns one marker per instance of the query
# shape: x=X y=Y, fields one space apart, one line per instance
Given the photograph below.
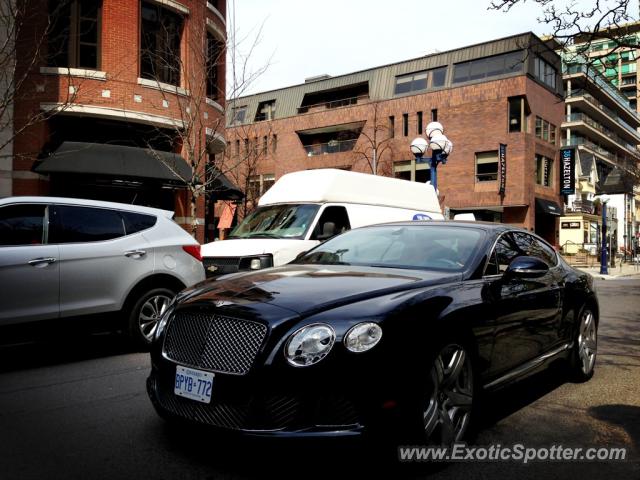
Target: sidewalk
x=619 y=271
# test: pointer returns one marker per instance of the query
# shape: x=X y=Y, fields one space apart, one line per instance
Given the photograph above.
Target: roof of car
x=87 y=203
x=456 y=223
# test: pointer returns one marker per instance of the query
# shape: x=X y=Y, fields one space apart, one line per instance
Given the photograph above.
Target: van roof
x=340 y=186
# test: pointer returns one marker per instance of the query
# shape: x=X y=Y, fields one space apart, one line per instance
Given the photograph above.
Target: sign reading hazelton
x=502 y=157
x=567 y=174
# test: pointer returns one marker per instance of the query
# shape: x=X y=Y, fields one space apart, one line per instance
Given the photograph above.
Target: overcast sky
x=304 y=38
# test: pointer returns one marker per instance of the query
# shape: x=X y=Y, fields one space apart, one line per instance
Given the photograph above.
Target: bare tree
x=376 y=142
x=28 y=41
x=199 y=133
x=583 y=22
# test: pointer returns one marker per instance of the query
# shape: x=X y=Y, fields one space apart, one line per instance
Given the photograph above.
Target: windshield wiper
x=263 y=235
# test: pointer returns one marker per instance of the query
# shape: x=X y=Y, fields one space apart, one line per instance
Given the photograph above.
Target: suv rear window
x=71 y=224
x=137 y=222
x=22 y=224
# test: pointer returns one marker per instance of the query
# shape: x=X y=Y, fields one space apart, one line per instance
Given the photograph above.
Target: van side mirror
x=328 y=231
x=526 y=267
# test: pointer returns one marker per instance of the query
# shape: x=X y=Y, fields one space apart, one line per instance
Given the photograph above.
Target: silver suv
x=65 y=257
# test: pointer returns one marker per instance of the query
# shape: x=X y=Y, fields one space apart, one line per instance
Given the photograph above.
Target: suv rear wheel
x=146 y=312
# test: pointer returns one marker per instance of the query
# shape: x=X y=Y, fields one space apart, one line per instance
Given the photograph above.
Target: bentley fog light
x=309 y=345
x=363 y=337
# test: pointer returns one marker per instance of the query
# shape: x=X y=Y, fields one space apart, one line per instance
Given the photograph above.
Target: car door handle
x=135 y=253
x=42 y=261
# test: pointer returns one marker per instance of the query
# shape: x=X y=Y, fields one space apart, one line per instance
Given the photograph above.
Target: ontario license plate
x=193 y=384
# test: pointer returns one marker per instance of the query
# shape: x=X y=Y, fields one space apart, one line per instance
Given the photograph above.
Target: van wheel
x=145 y=315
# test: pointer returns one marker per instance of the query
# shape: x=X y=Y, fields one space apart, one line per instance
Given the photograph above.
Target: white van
x=305 y=208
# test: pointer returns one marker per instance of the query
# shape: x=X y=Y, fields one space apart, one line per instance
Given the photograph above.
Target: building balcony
x=333 y=146
x=581 y=206
x=603 y=113
x=587 y=126
x=342 y=102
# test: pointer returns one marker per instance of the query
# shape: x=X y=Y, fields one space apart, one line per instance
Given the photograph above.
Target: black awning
x=220 y=187
x=548 y=207
x=116 y=161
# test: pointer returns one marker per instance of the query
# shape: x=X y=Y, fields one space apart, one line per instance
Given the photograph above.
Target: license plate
x=193 y=384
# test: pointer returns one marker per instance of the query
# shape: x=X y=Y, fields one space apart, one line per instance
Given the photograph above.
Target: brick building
x=116 y=97
x=508 y=91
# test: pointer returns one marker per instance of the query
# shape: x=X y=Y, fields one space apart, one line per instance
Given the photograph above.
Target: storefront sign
x=502 y=161
x=570 y=225
x=567 y=171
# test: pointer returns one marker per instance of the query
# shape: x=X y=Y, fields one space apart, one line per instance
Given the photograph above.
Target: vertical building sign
x=567 y=171
x=502 y=163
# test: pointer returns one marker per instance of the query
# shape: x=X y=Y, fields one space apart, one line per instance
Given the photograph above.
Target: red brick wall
x=119 y=54
x=475 y=119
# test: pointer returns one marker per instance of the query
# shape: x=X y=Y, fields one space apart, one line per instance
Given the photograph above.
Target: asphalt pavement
x=74 y=406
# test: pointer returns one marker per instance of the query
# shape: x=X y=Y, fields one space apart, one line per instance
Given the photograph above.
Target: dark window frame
x=156 y=64
x=44 y=225
x=487 y=174
x=66 y=29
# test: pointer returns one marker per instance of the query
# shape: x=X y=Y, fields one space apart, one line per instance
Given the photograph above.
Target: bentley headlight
x=363 y=337
x=309 y=345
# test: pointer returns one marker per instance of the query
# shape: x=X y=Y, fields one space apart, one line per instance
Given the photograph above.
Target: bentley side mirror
x=526 y=267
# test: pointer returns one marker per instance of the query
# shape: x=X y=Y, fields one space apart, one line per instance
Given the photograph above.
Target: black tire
x=145 y=313
x=585 y=346
x=443 y=414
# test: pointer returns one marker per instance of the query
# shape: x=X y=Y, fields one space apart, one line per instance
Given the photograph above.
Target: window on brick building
x=73 y=37
x=265 y=145
x=413 y=82
x=419 y=115
x=544 y=171
x=518 y=113
x=405 y=124
x=266 y=111
x=259 y=184
x=545 y=130
x=160 y=37
x=412 y=171
x=503 y=64
x=215 y=59
x=392 y=126
x=487 y=166
x=238 y=114
x=434 y=115
x=274 y=143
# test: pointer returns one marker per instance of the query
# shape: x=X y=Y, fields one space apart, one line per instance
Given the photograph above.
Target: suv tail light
x=194 y=251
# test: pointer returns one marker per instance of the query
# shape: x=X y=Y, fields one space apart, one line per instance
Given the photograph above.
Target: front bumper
x=281 y=402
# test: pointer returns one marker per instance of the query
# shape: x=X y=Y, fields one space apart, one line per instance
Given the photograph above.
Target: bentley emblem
x=212 y=268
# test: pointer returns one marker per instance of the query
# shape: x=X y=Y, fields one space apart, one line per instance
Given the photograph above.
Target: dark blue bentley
x=393 y=328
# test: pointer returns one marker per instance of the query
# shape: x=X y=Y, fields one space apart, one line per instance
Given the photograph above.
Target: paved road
x=76 y=408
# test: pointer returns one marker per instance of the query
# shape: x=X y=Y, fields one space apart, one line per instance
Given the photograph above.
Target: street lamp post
x=604 y=269
x=440 y=147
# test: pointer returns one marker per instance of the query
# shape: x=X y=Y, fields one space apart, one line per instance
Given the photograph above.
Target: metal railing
x=341 y=102
x=581 y=117
x=582 y=206
x=334 y=146
x=601 y=82
x=614 y=115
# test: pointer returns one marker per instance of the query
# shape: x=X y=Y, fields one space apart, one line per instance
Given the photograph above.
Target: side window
x=334 y=220
x=84 y=224
x=22 y=224
x=492 y=265
x=137 y=222
x=506 y=250
x=535 y=248
x=544 y=252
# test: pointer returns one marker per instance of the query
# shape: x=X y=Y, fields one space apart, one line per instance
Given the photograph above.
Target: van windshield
x=277 y=221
